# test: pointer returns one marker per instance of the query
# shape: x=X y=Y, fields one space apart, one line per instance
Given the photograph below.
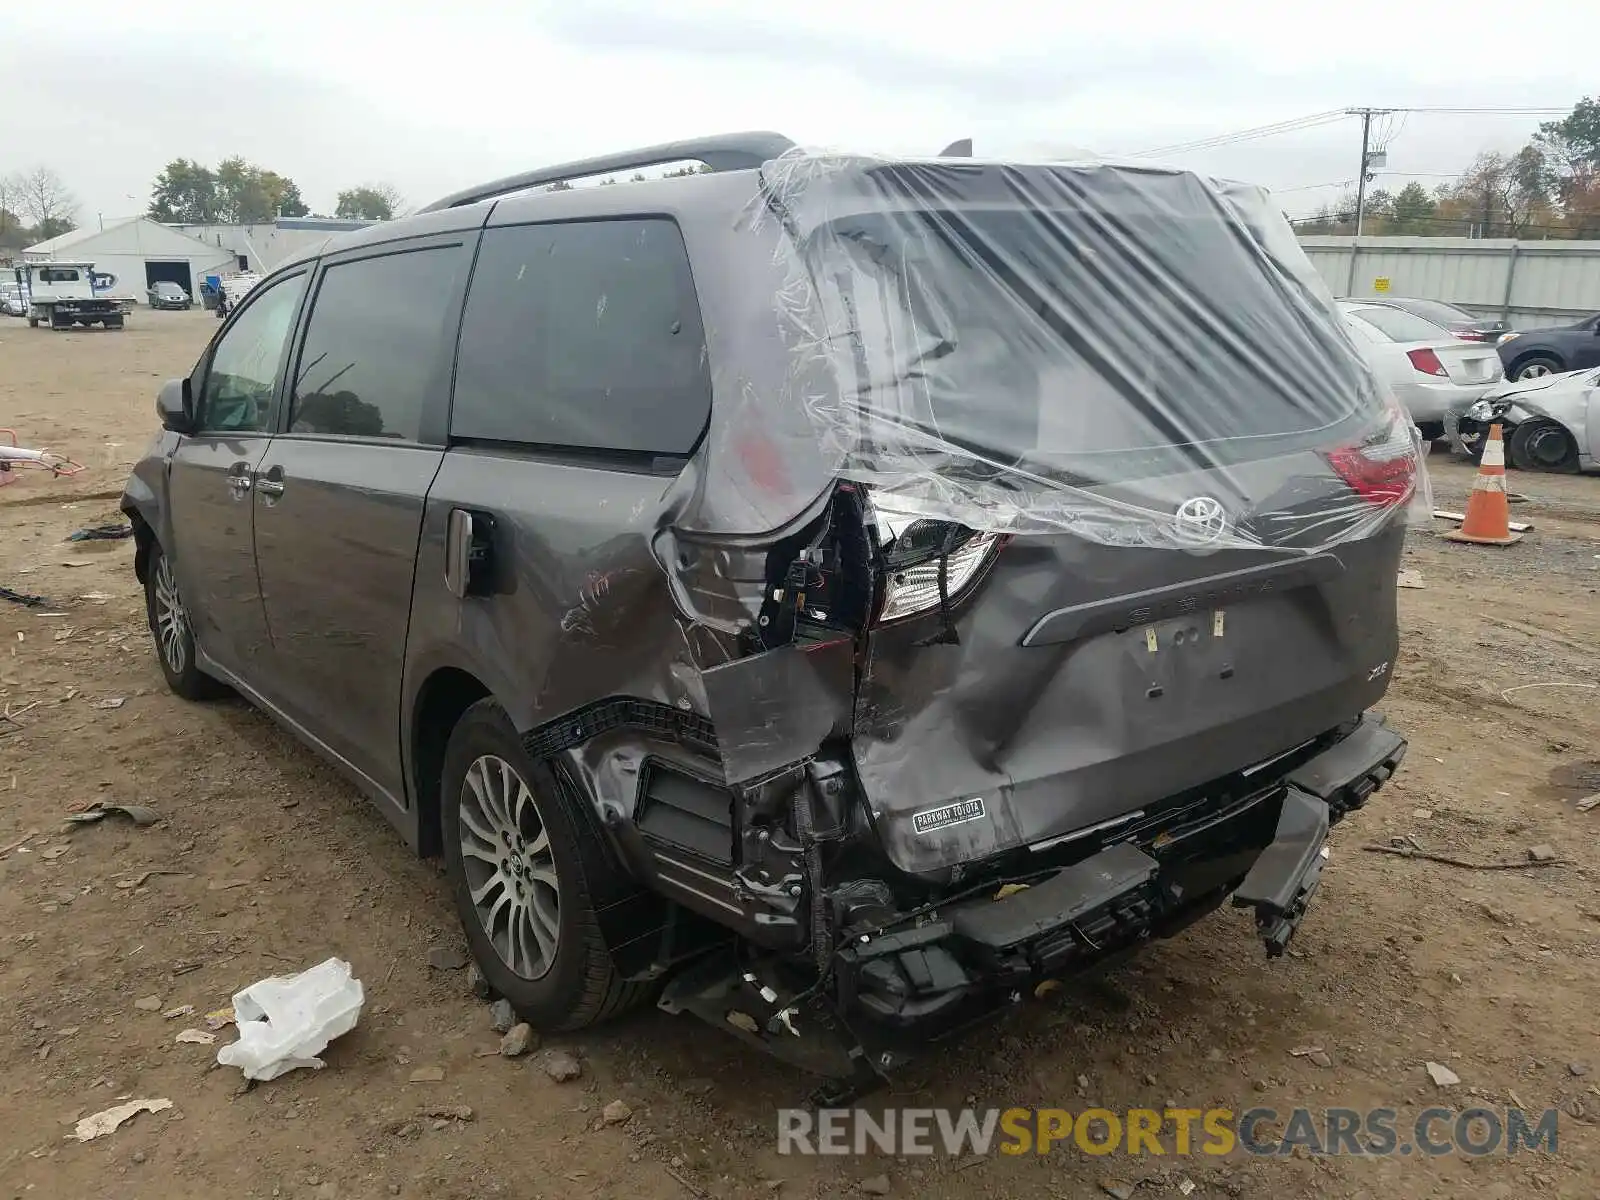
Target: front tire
x=1543 y=445
x=518 y=868
x=174 y=636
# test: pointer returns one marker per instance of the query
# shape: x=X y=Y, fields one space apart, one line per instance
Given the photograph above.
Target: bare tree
x=44 y=197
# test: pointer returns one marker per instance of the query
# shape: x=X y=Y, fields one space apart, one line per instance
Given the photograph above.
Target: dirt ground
x=271 y=863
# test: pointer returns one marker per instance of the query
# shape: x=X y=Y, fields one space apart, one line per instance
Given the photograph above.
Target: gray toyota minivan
x=828 y=595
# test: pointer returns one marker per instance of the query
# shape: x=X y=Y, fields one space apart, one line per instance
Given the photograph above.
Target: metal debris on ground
x=107 y=1121
x=99 y=811
x=111 y=702
x=26 y=599
x=100 y=533
x=198 y=1037
x=1408 y=847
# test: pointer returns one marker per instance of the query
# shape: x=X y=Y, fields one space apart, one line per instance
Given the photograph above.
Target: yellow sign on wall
x=1381 y=284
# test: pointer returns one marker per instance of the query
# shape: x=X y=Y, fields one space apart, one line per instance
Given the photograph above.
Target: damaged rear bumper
x=1267 y=848
x=927 y=976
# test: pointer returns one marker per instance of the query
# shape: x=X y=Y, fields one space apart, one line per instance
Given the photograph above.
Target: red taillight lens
x=1426 y=361
x=1383 y=470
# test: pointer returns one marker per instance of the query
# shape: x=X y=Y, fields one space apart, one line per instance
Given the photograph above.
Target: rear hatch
x=1137 y=493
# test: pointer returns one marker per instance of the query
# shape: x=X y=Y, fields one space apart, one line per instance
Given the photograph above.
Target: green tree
x=185 y=192
x=370 y=202
x=1412 y=211
x=236 y=192
x=286 y=193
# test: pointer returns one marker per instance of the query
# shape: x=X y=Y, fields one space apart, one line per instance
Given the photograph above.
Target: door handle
x=468 y=544
x=239 y=479
x=269 y=483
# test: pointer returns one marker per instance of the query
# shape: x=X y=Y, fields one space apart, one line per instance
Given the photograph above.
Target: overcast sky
x=437 y=96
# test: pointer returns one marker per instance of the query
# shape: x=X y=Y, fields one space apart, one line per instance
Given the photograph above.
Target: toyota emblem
x=1200 y=521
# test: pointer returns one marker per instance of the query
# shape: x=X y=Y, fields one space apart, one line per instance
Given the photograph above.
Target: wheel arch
x=1523 y=355
x=444 y=696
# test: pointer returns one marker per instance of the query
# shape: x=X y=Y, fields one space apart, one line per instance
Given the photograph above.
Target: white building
x=138 y=252
x=262 y=247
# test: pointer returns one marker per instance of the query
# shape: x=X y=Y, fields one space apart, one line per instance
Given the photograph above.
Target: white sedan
x=1430 y=371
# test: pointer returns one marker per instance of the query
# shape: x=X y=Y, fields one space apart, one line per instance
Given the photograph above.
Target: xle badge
x=930 y=819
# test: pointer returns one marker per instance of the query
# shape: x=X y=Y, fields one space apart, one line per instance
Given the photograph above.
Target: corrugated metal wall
x=1525 y=283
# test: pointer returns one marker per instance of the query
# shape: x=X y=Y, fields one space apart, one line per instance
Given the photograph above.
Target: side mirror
x=175 y=406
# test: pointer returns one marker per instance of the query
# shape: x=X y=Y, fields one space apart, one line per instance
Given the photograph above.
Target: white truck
x=63 y=295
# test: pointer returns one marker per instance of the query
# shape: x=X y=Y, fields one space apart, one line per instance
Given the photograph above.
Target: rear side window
x=1399 y=326
x=584 y=335
x=373 y=344
x=1437 y=311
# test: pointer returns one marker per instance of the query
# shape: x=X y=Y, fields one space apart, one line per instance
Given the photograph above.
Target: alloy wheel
x=1534 y=370
x=510 y=870
x=172 y=620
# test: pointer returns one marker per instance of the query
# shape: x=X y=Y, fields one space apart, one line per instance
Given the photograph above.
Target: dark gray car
x=815 y=592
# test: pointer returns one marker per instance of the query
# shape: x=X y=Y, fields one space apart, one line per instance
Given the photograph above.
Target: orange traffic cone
x=1488 y=519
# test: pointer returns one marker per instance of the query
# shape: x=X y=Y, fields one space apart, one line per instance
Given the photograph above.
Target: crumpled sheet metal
x=1054 y=348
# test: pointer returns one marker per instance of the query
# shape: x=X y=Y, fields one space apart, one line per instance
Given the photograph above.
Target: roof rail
x=724 y=152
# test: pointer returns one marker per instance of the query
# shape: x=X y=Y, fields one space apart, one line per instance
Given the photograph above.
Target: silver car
x=1430 y=371
x=13 y=303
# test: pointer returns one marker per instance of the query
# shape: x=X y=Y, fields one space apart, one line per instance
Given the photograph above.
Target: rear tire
x=512 y=839
x=1534 y=367
x=173 y=635
x=1543 y=445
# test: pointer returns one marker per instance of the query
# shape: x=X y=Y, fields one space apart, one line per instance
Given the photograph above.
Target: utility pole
x=1367 y=155
x=1361 y=178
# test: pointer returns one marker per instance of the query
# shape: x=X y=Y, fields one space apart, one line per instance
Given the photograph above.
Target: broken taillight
x=1383 y=468
x=914 y=563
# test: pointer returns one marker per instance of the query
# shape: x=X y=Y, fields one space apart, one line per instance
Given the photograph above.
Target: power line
x=1387 y=132
x=1293 y=125
x=1527 y=111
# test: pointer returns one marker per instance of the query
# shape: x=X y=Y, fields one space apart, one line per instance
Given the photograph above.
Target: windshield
x=1396 y=325
x=1085 y=343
